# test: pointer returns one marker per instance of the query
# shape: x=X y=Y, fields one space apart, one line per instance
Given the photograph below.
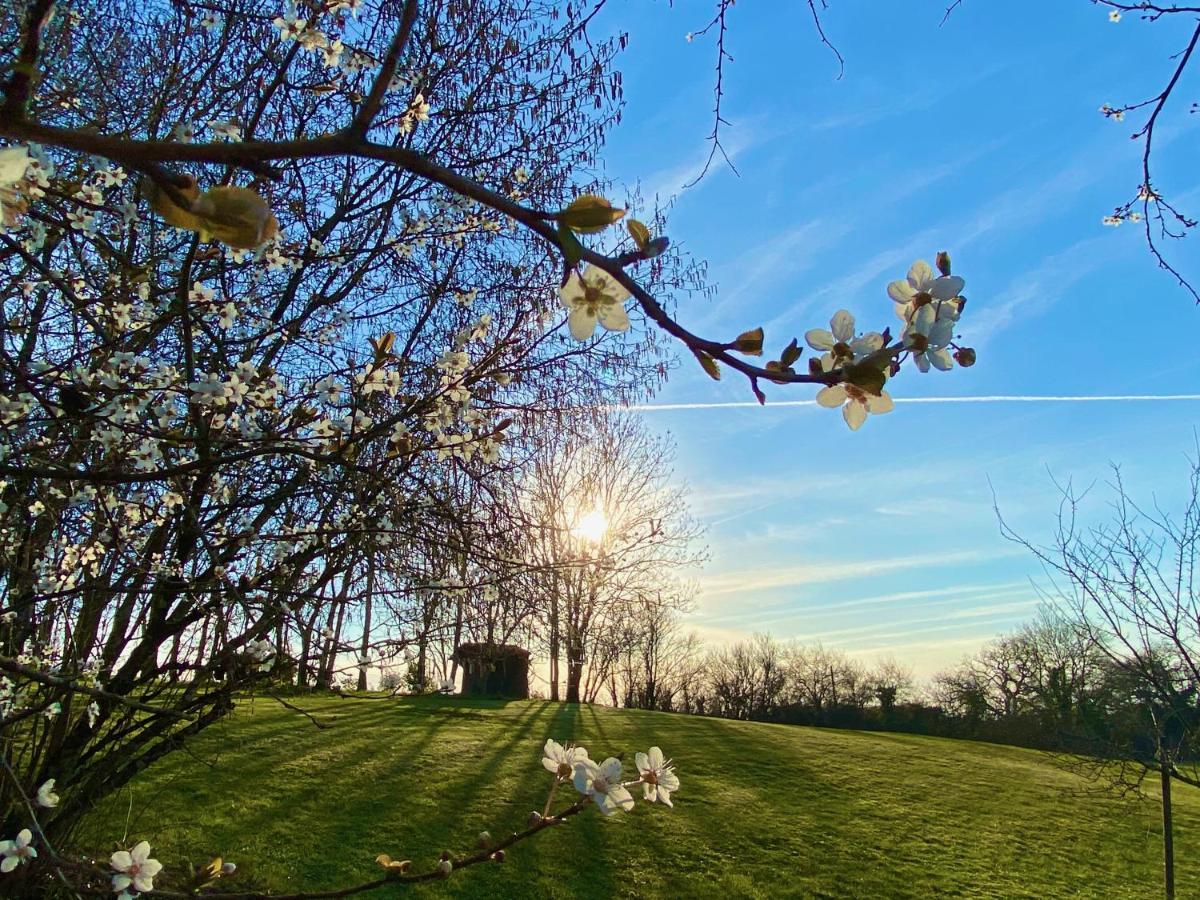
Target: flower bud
x=498 y=856
x=485 y=839
x=656 y=247
x=943 y=262
x=965 y=357
x=228 y=868
x=445 y=867
x=534 y=818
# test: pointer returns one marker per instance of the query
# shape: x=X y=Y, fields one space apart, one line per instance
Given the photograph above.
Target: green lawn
x=764 y=810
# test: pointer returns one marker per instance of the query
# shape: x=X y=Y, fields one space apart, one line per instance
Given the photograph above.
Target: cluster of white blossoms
x=603 y=782
x=928 y=303
x=337 y=56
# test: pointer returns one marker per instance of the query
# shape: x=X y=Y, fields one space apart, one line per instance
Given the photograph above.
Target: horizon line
x=989 y=398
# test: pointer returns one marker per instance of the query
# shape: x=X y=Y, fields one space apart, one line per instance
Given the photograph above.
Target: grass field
x=763 y=811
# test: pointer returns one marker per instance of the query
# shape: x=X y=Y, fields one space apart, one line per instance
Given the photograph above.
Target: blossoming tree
x=281 y=288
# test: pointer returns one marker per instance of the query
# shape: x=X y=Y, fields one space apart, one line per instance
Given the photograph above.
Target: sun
x=592 y=526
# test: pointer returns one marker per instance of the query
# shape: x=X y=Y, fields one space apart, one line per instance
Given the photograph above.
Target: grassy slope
x=764 y=810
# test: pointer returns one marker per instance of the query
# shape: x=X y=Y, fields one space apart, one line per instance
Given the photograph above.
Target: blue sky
x=982 y=137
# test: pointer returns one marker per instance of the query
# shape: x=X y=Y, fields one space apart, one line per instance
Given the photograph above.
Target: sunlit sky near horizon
x=982 y=137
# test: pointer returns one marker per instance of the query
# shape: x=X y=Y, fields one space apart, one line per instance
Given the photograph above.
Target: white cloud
x=744 y=581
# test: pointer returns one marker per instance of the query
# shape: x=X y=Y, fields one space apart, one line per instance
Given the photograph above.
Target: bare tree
x=1128 y=585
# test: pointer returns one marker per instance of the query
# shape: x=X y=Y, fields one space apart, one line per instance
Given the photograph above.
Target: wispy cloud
x=757 y=579
x=906 y=602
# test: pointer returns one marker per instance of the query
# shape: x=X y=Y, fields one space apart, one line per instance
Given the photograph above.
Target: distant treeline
x=1044 y=686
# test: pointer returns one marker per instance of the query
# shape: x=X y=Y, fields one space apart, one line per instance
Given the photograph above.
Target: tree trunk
x=458 y=618
x=574 y=670
x=1168 y=836
x=365 y=647
x=554 y=638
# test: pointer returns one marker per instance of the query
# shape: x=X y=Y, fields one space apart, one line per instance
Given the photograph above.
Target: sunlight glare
x=592 y=526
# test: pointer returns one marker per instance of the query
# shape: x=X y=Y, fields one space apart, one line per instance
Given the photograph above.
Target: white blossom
x=17 y=851
x=13 y=163
x=229 y=312
x=560 y=760
x=46 y=796
x=134 y=868
x=290 y=25
x=855 y=402
x=928 y=335
x=602 y=782
x=228 y=131
x=595 y=296
x=840 y=344
x=658 y=775
x=922 y=287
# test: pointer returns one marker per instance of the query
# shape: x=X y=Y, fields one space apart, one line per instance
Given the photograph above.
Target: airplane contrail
x=995 y=398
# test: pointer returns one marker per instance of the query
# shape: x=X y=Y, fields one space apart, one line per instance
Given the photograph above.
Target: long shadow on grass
x=585 y=838
x=319 y=780
x=372 y=796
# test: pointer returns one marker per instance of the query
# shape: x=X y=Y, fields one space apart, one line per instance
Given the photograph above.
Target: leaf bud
x=943 y=262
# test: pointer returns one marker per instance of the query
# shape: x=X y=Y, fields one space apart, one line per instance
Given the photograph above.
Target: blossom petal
x=941 y=332
x=924 y=319
x=842 y=324
x=941 y=358
x=832 y=397
x=867 y=343
x=121 y=860
x=919 y=275
x=621 y=797
x=855 y=414
x=877 y=405
x=143 y=882
x=13 y=162
x=664 y=796
x=922 y=361
x=946 y=287
x=120 y=882
x=610 y=769
x=572 y=291
x=585 y=771
x=819 y=339
x=140 y=852
x=582 y=323
x=9 y=863
x=642 y=761
x=901 y=291
x=613 y=317
x=656 y=758
x=24 y=837
x=668 y=780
